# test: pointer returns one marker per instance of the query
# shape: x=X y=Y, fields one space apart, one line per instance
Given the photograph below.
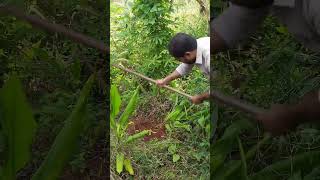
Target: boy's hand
x=279 y=119
x=161 y=82
x=282 y=118
x=197 y=99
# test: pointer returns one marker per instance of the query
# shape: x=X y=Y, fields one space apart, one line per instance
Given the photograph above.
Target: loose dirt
x=150 y=118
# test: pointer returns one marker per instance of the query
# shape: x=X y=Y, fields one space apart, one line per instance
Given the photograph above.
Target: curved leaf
x=243 y=160
x=128 y=166
x=67 y=138
x=223 y=146
x=129 y=110
x=138 y=135
x=303 y=162
x=232 y=168
x=119 y=162
x=18 y=127
x=175 y=158
x=115 y=101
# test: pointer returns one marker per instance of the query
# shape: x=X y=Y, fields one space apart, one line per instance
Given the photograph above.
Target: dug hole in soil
x=151 y=118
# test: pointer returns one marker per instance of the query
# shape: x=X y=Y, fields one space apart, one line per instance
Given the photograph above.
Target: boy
x=190 y=52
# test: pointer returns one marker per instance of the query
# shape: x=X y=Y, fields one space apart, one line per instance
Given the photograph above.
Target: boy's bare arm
x=197 y=99
x=162 y=82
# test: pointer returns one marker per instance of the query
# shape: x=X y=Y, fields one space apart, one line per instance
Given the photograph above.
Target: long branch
x=216 y=95
x=55 y=28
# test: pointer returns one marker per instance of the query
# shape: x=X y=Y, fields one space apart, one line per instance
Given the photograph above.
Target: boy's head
x=184 y=48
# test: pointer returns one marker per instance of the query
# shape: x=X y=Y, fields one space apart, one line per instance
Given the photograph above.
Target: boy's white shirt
x=202 y=59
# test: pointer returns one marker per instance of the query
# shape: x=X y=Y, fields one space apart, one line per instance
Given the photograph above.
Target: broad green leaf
x=129 y=110
x=202 y=121
x=243 y=160
x=303 y=162
x=18 y=127
x=113 y=124
x=138 y=135
x=172 y=148
x=178 y=124
x=232 y=168
x=115 y=101
x=119 y=162
x=175 y=158
x=223 y=146
x=173 y=114
x=66 y=140
x=128 y=166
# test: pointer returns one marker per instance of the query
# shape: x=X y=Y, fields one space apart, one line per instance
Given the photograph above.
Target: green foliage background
x=273 y=68
x=53 y=70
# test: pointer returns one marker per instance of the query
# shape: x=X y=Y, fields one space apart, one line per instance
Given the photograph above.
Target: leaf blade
x=128 y=166
x=18 y=125
x=129 y=110
x=65 y=141
x=119 y=162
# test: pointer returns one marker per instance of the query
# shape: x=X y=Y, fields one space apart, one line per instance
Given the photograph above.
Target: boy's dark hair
x=182 y=43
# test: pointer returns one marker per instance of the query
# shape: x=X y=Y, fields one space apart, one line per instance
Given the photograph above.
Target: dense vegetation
x=178 y=145
x=45 y=104
x=271 y=68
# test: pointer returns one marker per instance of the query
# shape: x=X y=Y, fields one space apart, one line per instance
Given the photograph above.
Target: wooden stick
x=151 y=80
x=236 y=103
x=228 y=100
x=55 y=28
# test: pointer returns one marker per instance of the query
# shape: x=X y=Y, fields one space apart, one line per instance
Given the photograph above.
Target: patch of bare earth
x=151 y=118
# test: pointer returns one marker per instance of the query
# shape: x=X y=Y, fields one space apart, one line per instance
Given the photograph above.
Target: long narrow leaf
x=243 y=160
x=18 y=127
x=138 y=135
x=119 y=162
x=113 y=124
x=232 y=167
x=129 y=110
x=66 y=140
x=223 y=146
x=303 y=162
x=115 y=101
x=128 y=166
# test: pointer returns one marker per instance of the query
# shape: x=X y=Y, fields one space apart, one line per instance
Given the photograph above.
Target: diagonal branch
x=56 y=28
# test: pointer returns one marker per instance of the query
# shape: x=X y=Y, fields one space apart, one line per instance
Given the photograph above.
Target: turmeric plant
x=120 y=126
